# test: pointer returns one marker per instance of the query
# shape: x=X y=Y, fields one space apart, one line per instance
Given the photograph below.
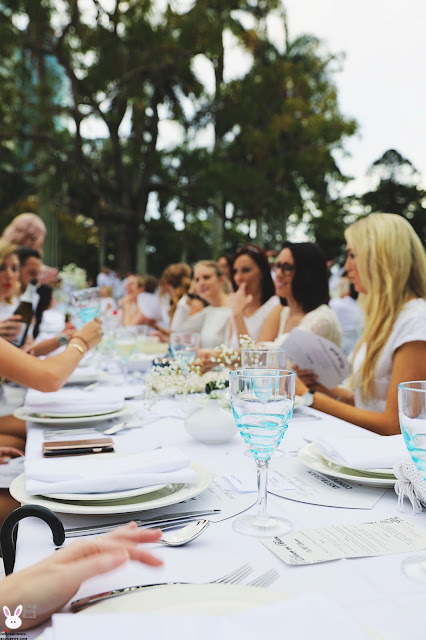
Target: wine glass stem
x=262 y=489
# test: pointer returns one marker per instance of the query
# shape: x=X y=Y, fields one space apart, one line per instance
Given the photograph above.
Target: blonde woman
x=387 y=265
x=214 y=321
x=9 y=288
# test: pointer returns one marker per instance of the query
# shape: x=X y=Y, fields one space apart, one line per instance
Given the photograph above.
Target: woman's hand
x=90 y=333
x=50 y=584
x=10 y=328
x=240 y=300
x=204 y=358
x=6 y=453
x=307 y=376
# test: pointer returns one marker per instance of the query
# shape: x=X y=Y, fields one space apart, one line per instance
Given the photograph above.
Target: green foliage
x=398 y=191
x=83 y=99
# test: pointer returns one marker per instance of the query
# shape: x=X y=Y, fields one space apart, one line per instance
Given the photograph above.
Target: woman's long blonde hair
x=7 y=249
x=391 y=263
x=178 y=276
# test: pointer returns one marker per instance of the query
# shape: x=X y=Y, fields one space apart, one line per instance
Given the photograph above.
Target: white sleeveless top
x=254 y=323
x=410 y=326
x=213 y=323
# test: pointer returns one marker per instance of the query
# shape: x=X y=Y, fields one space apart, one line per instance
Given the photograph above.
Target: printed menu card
x=311 y=546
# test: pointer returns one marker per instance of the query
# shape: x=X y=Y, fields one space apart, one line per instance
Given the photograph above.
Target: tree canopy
x=102 y=117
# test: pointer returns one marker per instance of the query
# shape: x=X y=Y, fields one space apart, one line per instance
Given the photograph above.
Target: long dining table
x=371 y=590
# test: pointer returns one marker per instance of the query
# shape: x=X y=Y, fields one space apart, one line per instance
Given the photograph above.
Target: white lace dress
x=322 y=321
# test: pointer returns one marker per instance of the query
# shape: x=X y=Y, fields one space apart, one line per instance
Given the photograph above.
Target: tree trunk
x=259 y=237
x=141 y=262
x=218 y=224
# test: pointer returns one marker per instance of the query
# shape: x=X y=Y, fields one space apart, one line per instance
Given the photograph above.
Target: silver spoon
x=115 y=429
x=185 y=534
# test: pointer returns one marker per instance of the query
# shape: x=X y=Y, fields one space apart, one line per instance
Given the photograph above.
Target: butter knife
x=83 y=603
x=155 y=521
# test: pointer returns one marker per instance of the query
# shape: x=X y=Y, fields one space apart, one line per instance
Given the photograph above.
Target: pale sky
x=382 y=84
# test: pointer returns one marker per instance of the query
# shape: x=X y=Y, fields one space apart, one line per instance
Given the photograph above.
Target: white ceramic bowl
x=211 y=423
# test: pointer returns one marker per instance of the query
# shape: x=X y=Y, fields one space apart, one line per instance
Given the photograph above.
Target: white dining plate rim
x=197 y=599
x=311 y=457
x=21 y=415
x=111 y=495
x=17 y=490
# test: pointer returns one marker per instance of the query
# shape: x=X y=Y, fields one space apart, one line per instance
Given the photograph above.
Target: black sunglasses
x=285 y=267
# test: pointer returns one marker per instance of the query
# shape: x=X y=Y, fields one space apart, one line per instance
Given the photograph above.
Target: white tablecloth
x=373 y=590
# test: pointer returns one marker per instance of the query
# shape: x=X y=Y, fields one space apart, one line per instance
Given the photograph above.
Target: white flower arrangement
x=174 y=377
x=73 y=277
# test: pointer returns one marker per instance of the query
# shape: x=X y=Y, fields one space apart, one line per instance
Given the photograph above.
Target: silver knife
x=155 y=521
x=82 y=603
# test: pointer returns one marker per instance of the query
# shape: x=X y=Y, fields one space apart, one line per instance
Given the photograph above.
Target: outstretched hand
x=6 y=453
x=50 y=584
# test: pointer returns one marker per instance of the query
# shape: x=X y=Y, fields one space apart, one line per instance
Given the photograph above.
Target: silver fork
x=266 y=579
x=230 y=578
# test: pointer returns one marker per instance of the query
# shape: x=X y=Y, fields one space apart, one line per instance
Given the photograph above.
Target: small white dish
x=211 y=423
x=21 y=414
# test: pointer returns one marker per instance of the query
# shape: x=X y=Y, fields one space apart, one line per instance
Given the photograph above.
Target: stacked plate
x=70 y=419
x=315 y=459
x=128 y=501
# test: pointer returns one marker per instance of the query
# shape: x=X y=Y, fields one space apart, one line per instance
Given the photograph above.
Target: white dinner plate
x=22 y=415
x=155 y=500
x=335 y=464
x=197 y=599
x=112 y=495
x=312 y=458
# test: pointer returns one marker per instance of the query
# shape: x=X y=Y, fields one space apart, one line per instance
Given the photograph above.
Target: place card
x=367 y=539
x=219 y=495
x=245 y=481
x=297 y=482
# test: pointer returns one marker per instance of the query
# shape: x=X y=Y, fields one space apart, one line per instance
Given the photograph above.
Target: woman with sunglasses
x=386 y=263
x=301 y=280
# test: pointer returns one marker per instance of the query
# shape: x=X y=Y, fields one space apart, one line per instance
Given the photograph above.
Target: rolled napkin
x=106 y=473
x=363 y=453
x=410 y=484
x=73 y=401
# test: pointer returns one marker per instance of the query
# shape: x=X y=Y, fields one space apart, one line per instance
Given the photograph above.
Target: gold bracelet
x=78 y=347
x=86 y=344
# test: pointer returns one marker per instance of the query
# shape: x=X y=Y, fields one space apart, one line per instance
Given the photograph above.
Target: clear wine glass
x=263 y=359
x=262 y=402
x=125 y=346
x=184 y=345
x=86 y=305
x=412 y=419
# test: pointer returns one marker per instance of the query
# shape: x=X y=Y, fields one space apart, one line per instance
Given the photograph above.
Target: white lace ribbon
x=410 y=484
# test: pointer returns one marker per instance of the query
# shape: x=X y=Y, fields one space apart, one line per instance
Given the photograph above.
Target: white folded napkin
x=375 y=452
x=104 y=473
x=410 y=484
x=74 y=401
